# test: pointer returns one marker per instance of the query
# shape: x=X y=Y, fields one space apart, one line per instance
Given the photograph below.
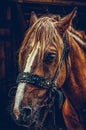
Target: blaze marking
x=21 y=86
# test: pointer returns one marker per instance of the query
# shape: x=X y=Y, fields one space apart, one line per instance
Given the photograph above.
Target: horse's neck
x=77 y=56
x=77 y=43
x=76 y=86
x=79 y=36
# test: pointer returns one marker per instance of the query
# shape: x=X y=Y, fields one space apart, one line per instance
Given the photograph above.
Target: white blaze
x=21 y=86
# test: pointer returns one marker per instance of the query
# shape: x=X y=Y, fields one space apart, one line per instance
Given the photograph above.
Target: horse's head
x=41 y=68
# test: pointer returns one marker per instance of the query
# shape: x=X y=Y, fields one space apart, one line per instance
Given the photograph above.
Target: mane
x=80 y=36
x=44 y=32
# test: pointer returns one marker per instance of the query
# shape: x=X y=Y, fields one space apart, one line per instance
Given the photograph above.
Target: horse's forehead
x=48 y=39
x=45 y=22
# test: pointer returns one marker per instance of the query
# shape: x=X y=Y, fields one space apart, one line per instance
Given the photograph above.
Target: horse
x=52 y=57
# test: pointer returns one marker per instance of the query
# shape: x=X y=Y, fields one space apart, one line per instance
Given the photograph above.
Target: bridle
x=45 y=83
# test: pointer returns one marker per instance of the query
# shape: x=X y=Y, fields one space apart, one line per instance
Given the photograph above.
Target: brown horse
x=52 y=56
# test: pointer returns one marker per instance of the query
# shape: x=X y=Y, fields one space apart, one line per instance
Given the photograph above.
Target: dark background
x=14 y=21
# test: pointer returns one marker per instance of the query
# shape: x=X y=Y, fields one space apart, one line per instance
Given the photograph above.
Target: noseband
x=43 y=82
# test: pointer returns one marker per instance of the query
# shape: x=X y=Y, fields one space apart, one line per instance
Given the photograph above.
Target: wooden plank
x=57 y=2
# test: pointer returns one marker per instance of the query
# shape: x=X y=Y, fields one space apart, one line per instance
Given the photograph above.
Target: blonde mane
x=42 y=31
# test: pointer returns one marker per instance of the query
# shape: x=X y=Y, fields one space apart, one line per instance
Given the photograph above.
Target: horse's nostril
x=27 y=111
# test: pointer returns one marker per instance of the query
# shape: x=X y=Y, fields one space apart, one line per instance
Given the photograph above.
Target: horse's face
x=40 y=54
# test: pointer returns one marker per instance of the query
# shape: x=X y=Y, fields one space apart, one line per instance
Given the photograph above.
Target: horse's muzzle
x=25 y=117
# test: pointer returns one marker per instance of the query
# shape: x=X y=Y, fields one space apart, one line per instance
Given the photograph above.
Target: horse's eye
x=49 y=58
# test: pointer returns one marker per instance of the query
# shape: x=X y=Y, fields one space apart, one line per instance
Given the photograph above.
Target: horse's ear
x=66 y=21
x=33 y=18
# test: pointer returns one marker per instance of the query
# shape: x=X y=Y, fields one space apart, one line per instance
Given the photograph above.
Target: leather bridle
x=45 y=83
